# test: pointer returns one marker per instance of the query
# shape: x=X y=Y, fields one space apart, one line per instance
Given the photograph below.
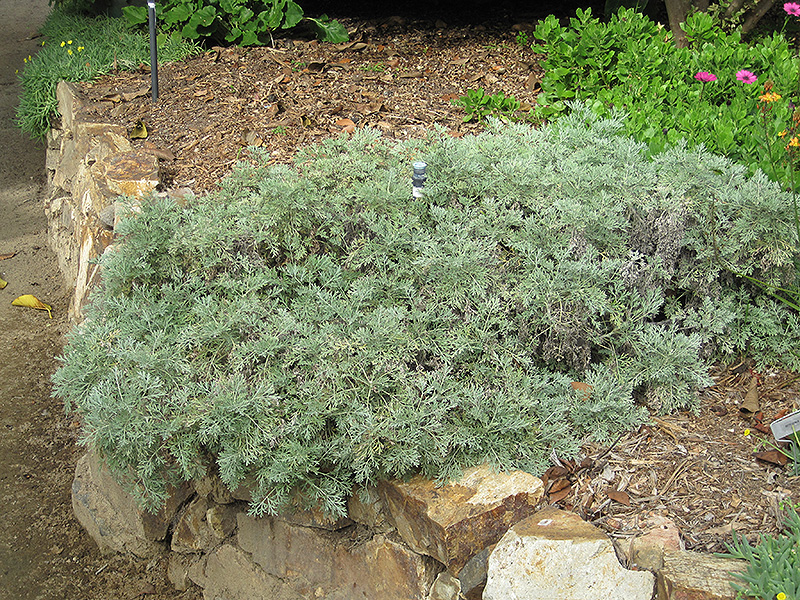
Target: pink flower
x=793 y=8
x=746 y=76
x=705 y=76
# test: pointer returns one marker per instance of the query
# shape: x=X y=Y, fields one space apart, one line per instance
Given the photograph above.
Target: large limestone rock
x=75 y=195
x=367 y=507
x=314 y=517
x=133 y=174
x=228 y=573
x=555 y=554
x=89 y=165
x=445 y=587
x=694 y=576
x=472 y=577
x=350 y=563
x=454 y=522
x=210 y=486
x=94 y=241
x=82 y=147
x=178 y=569
x=113 y=518
x=69 y=102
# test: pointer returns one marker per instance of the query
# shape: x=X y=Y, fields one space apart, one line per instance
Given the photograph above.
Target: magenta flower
x=746 y=76
x=705 y=76
x=793 y=8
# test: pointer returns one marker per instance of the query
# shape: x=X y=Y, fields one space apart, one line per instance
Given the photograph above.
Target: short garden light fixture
x=418 y=178
x=151 y=15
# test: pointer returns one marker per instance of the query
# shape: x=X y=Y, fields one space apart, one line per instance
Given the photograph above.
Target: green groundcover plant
x=706 y=93
x=313 y=328
x=81 y=48
x=774 y=562
x=479 y=105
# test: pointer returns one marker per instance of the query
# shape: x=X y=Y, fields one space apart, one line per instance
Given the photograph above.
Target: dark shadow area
x=452 y=12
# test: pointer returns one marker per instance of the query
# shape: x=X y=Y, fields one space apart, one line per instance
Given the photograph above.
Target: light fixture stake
x=151 y=15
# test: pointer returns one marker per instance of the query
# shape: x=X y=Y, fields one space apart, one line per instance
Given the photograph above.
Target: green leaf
x=274 y=16
x=243 y=17
x=178 y=14
x=189 y=31
x=202 y=18
x=135 y=15
x=234 y=35
x=205 y=16
x=293 y=14
x=231 y=7
x=327 y=30
x=250 y=38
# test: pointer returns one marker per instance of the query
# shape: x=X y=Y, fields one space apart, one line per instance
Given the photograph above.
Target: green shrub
x=632 y=64
x=242 y=22
x=80 y=48
x=312 y=328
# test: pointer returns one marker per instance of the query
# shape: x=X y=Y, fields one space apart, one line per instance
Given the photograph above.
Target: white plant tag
x=786 y=426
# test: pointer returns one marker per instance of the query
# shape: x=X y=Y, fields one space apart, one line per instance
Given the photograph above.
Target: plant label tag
x=784 y=427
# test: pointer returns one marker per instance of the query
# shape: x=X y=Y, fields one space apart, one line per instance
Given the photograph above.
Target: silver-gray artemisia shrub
x=312 y=328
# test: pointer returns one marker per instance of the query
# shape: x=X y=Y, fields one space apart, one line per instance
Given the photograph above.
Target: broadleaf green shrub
x=241 y=22
x=312 y=328
x=630 y=63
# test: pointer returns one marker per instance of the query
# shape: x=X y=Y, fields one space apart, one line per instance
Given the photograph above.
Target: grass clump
x=312 y=328
x=83 y=48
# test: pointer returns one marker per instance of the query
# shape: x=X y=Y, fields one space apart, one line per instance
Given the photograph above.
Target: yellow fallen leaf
x=139 y=131
x=32 y=302
x=3 y=283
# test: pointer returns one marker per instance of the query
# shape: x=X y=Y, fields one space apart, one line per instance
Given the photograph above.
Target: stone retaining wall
x=488 y=535
x=89 y=166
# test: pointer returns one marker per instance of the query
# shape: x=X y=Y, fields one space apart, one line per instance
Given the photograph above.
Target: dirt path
x=35 y=441
x=44 y=554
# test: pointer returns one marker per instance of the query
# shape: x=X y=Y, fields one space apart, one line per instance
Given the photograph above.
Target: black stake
x=151 y=13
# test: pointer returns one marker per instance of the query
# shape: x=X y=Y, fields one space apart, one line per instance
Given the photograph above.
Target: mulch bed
x=394 y=76
x=712 y=473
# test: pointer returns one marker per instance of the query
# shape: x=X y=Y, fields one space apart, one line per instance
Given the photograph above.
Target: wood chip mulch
x=393 y=75
x=712 y=473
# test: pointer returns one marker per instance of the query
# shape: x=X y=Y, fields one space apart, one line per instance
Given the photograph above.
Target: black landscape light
x=151 y=14
x=418 y=178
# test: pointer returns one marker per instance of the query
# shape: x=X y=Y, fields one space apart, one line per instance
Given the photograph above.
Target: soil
x=398 y=74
